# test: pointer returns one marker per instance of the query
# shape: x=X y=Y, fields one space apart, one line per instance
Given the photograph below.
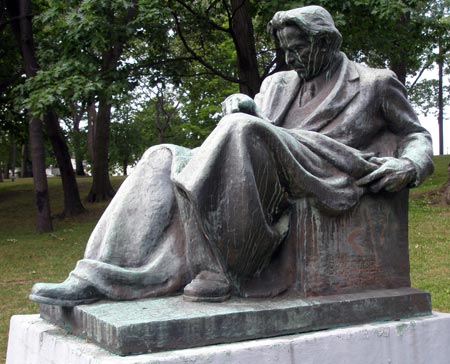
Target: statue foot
x=71 y=292
x=207 y=287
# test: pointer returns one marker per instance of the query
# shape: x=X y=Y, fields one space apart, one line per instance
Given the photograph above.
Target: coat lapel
x=284 y=92
x=280 y=97
x=343 y=92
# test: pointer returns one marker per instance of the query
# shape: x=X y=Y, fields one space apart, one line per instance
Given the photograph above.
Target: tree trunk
x=101 y=189
x=1 y=172
x=77 y=115
x=399 y=63
x=79 y=167
x=72 y=201
x=244 y=40
x=441 y=100
x=6 y=173
x=20 y=14
x=13 y=158
x=92 y=116
x=43 y=219
x=399 y=68
x=125 y=166
x=25 y=163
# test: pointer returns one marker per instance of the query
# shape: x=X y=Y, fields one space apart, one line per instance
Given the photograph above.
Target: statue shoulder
x=279 y=78
x=380 y=76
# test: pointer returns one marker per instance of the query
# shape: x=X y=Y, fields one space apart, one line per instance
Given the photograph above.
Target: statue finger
x=377 y=174
x=368 y=155
x=379 y=160
x=378 y=186
x=397 y=184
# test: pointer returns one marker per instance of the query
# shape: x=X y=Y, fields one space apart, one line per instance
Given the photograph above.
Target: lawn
x=27 y=257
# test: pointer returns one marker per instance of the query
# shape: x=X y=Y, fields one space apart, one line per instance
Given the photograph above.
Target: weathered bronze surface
x=301 y=191
x=169 y=323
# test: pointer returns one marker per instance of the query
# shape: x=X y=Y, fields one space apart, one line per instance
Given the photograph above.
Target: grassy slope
x=26 y=257
x=429 y=238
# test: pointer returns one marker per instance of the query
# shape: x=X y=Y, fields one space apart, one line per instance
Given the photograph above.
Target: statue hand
x=393 y=174
x=239 y=103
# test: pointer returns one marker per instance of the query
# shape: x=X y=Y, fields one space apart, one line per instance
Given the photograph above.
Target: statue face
x=308 y=58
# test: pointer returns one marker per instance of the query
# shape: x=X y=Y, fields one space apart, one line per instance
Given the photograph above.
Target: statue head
x=308 y=37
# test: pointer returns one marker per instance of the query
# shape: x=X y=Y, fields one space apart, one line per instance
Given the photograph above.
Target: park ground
x=27 y=257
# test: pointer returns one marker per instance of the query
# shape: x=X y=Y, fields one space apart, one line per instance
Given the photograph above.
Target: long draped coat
x=226 y=205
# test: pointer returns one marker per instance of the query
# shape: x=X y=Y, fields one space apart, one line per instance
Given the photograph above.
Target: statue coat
x=226 y=206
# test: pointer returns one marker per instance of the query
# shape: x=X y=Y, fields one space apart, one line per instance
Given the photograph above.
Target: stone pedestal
x=424 y=340
x=170 y=323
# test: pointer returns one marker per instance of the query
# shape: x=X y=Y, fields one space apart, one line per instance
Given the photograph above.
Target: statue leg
x=137 y=248
x=243 y=178
x=235 y=187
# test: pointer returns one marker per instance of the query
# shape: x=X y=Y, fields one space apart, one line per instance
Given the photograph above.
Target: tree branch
x=266 y=71
x=229 y=16
x=427 y=65
x=238 y=8
x=211 y=6
x=197 y=15
x=199 y=58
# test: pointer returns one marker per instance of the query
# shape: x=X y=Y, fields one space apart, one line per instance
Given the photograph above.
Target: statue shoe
x=207 y=287
x=71 y=292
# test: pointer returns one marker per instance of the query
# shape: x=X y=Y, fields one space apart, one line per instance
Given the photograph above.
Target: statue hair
x=314 y=21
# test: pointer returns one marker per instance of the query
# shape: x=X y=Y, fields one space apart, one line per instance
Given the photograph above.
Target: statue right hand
x=239 y=103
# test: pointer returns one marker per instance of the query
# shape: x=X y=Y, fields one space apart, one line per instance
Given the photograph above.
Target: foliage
x=200 y=106
x=126 y=140
x=13 y=128
x=190 y=48
x=73 y=38
x=424 y=96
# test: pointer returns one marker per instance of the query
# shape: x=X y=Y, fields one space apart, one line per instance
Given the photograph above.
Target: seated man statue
x=206 y=221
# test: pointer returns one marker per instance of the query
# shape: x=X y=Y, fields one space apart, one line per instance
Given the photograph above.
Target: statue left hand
x=393 y=174
x=239 y=103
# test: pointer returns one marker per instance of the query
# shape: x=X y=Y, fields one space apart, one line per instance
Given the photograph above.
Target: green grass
x=27 y=257
x=429 y=237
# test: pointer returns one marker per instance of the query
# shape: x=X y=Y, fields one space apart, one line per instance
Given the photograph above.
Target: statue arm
x=413 y=162
x=414 y=141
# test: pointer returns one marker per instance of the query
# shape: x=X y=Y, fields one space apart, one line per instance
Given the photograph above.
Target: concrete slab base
x=422 y=340
x=170 y=323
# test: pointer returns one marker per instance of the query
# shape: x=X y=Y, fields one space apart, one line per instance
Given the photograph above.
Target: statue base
x=169 y=323
x=422 y=340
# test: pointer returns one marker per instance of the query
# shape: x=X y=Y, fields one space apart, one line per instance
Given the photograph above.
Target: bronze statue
x=213 y=221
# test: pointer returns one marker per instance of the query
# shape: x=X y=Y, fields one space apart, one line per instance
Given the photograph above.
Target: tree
x=127 y=138
x=19 y=13
x=431 y=94
x=77 y=137
x=92 y=61
x=220 y=22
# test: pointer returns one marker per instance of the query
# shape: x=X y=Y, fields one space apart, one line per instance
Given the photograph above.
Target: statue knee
x=238 y=122
x=156 y=157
